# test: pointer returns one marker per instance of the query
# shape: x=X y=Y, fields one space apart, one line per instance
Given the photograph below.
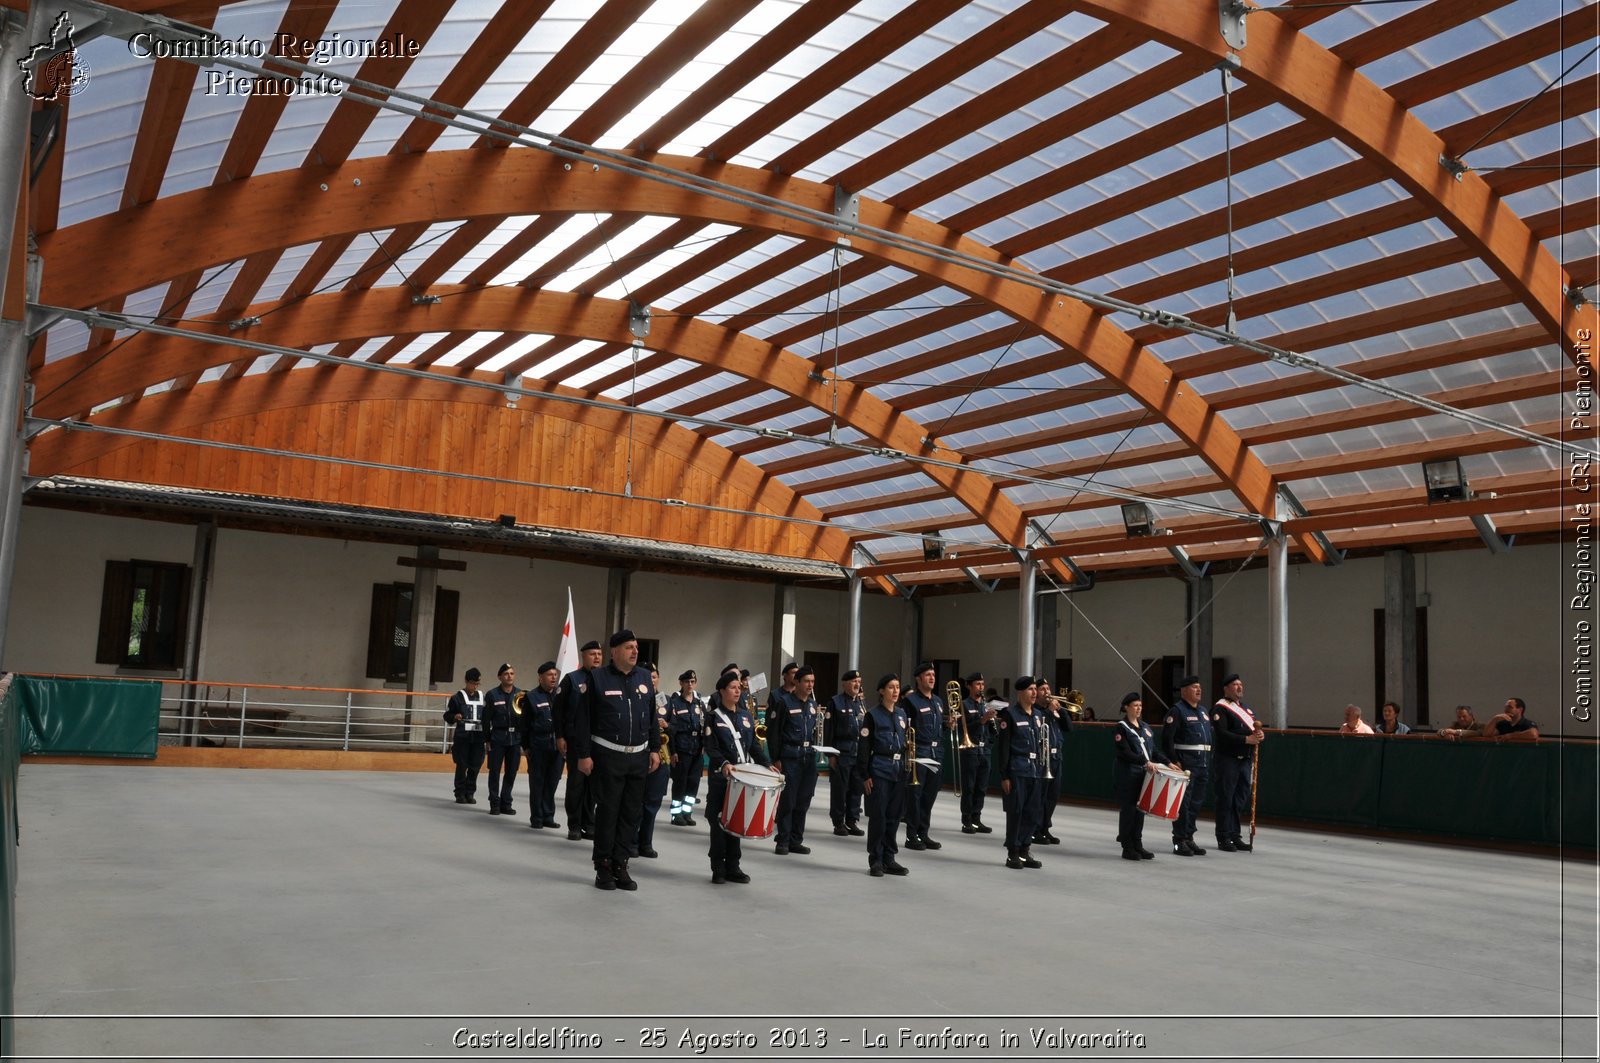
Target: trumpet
x=1044 y=742
x=1071 y=702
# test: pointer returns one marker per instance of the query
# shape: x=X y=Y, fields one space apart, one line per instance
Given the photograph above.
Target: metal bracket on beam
x=243 y=322
x=638 y=320
x=1230 y=19
x=986 y=586
x=1576 y=297
x=90 y=20
x=847 y=209
x=514 y=392
x=423 y=299
x=1185 y=562
x=1491 y=536
x=1454 y=167
x=1334 y=556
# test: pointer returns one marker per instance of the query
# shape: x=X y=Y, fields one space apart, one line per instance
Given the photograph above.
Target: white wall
x=295 y=609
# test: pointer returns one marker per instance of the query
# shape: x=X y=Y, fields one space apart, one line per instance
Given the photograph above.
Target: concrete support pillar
x=910 y=642
x=1277 y=626
x=619 y=585
x=784 y=629
x=1197 y=651
x=852 y=627
x=205 y=557
x=1400 y=633
x=1027 y=580
x=419 y=656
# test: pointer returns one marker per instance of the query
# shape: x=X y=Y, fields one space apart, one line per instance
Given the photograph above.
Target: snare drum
x=750 y=807
x=1163 y=792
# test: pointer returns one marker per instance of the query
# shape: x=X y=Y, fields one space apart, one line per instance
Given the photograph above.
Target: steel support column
x=1027 y=584
x=852 y=626
x=205 y=556
x=1400 y=633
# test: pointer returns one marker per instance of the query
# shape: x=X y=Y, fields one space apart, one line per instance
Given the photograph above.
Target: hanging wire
x=1016 y=334
x=1227 y=161
x=1527 y=102
x=836 y=297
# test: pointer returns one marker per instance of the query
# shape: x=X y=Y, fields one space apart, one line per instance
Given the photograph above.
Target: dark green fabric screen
x=91 y=717
x=9 y=757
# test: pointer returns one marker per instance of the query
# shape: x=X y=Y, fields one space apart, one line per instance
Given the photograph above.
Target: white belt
x=471 y=725
x=1194 y=749
x=640 y=748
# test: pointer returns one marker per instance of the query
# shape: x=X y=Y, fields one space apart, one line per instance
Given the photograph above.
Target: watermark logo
x=54 y=70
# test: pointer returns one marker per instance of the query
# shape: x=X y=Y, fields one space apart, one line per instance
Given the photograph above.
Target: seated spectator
x=1389 y=720
x=1511 y=725
x=1353 y=723
x=1466 y=725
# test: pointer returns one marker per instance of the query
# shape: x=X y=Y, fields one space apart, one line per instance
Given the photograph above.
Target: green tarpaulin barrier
x=88 y=717
x=9 y=757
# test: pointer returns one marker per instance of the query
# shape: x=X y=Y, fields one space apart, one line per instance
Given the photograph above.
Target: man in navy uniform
x=978 y=715
x=792 y=733
x=503 y=715
x=882 y=748
x=841 y=729
x=569 y=699
x=1019 y=747
x=685 y=723
x=659 y=781
x=1235 y=733
x=618 y=745
x=539 y=748
x=1186 y=740
x=1047 y=709
x=465 y=712
x=770 y=721
x=925 y=712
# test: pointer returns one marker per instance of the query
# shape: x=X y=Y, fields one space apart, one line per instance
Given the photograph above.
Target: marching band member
x=539 y=748
x=926 y=713
x=660 y=777
x=570 y=697
x=791 y=733
x=1136 y=757
x=774 y=696
x=883 y=751
x=1050 y=788
x=1236 y=730
x=685 y=722
x=730 y=738
x=465 y=711
x=979 y=715
x=1186 y=741
x=1020 y=772
x=618 y=745
x=503 y=717
x=841 y=729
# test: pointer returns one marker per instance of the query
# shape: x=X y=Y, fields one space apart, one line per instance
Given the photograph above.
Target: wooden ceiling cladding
x=736 y=289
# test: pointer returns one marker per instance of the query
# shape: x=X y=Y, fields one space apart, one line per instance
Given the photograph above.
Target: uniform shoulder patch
x=1172 y=719
x=865 y=731
x=1003 y=723
x=1116 y=738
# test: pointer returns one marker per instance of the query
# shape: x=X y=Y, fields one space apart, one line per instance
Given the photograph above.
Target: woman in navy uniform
x=539 y=748
x=686 y=722
x=882 y=748
x=730 y=738
x=465 y=712
x=1018 y=748
x=1137 y=754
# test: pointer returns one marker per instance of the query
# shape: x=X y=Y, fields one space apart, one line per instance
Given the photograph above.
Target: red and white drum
x=1163 y=792
x=750 y=808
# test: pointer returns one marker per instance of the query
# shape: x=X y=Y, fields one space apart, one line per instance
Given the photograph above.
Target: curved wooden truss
x=1024 y=171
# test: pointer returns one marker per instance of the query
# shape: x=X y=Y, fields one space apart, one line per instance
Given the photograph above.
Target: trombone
x=952 y=698
x=911 y=751
x=1071 y=702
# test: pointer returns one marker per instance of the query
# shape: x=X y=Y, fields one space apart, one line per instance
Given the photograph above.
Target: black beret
x=790 y=667
x=548 y=666
x=1129 y=699
x=1230 y=677
x=686 y=676
x=975 y=677
x=1023 y=681
x=887 y=678
x=726 y=679
x=622 y=636
x=649 y=666
x=851 y=674
x=473 y=675
x=925 y=666
x=503 y=669
x=1188 y=681
x=587 y=646
x=729 y=668
x=801 y=673
x=744 y=673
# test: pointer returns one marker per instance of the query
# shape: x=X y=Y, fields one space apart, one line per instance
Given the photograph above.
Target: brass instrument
x=1072 y=701
x=952 y=699
x=519 y=702
x=911 y=751
x=1044 y=742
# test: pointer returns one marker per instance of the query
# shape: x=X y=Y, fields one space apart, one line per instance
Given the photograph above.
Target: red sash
x=1244 y=714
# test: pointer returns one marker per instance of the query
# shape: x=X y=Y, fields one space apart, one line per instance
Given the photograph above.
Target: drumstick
x=1255 y=788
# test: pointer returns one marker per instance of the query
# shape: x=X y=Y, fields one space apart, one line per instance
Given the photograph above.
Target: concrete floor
x=204 y=913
